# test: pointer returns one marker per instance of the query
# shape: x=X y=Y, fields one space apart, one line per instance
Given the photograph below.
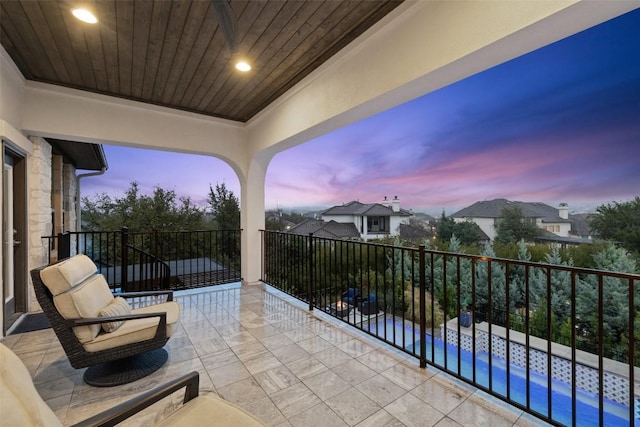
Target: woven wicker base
x=126 y=370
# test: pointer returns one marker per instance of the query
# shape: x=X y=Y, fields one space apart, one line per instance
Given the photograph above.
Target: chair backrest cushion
x=78 y=292
x=64 y=275
x=20 y=403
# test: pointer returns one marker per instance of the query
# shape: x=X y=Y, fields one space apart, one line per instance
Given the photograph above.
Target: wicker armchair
x=132 y=351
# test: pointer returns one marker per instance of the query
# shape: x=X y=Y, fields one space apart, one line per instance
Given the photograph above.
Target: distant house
x=327 y=230
x=411 y=232
x=556 y=222
x=357 y=220
x=580 y=225
x=374 y=220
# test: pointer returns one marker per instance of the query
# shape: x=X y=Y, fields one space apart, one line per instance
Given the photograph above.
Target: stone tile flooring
x=266 y=352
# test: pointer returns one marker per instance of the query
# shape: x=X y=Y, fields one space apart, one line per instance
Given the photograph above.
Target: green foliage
x=538 y=321
x=513 y=226
x=467 y=232
x=224 y=207
x=560 y=284
x=453 y=289
x=583 y=255
x=615 y=300
x=619 y=222
x=445 y=228
x=160 y=211
x=435 y=316
x=493 y=273
x=276 y=220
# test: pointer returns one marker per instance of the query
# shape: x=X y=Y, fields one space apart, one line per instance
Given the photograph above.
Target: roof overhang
x=82 y=155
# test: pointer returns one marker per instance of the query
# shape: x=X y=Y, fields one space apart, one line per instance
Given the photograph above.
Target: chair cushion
x=210 y=411
x=118 y=307
x=85 y=300
x=66 y=274
x=136 y=330
x=20 y=403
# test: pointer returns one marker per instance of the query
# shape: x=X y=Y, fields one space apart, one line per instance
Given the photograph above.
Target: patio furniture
x=117 y=344
x=369 y=305
x=21 y=405
x=352 y=296
x=340 y=309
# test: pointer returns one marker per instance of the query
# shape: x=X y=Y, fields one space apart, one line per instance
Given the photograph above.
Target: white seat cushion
x=209 y=410
x=20 y=403
x=136 y=330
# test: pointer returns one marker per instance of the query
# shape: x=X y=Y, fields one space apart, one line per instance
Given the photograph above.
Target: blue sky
x=561 y=124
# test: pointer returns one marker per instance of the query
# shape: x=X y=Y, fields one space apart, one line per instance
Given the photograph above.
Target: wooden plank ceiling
x=173 y=53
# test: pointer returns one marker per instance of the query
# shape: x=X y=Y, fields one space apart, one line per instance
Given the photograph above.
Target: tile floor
x=266 y=352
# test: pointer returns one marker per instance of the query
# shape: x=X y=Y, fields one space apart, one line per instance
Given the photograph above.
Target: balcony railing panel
x=134 y=261
x=556 y=341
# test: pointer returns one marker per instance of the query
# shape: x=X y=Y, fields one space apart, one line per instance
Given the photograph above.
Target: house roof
x=329 y=230
x=425 y=217
x=410 y=232
x=547 y=236
x=494 y=208
x=361 y=209
x=580 y=224
x=82 y=155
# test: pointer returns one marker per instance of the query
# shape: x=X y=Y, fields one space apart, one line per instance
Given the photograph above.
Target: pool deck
x=264 y=351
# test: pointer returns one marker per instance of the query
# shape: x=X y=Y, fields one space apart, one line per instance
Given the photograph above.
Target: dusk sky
x=561 y=124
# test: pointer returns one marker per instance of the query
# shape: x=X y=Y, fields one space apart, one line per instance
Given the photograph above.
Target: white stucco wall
x=395 y=224
x=342 y=218
x=564 y=228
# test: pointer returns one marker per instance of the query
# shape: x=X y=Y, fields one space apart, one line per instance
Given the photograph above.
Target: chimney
x=396 y=204
x=563 y=211
x=385 y=202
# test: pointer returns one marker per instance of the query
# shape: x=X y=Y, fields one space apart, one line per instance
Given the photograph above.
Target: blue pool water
x=615 y=414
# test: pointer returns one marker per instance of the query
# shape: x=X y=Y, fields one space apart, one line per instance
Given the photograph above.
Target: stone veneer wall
x=615 y=377
x=39 y=207
x=69 y=192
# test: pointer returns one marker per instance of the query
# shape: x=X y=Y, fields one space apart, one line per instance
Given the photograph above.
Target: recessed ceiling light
x=84 y=15
x=243 y=66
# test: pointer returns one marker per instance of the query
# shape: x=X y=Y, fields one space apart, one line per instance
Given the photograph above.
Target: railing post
x=310 y=270
x=64 y=245
x=124 y=268
x=156 y=275
x=423 y=309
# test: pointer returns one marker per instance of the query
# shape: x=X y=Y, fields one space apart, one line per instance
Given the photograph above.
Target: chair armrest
x=121 y=412
x=106 y=319
x=169 y=294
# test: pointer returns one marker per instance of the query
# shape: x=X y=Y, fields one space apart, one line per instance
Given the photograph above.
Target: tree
x=517 y=285
x=467 y=232
x=615 y=300
x=550 y=287
x=619 y=222
x=224 y=207
x=513 y=226
x=496 y=276
x=445 y=228
x=161 y=211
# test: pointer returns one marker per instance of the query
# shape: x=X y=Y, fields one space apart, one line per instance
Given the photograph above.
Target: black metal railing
x=556 y=341
x=135 y=261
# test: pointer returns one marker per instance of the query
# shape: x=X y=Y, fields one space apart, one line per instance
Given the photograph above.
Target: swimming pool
x=615 y=414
